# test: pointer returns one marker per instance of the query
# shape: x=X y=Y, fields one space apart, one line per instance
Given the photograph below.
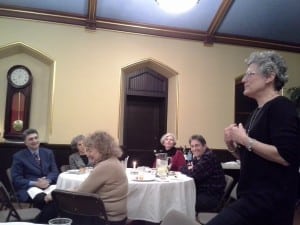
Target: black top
x=84 y=159
x=171 y=152
x=270 y=185
x=208 y=174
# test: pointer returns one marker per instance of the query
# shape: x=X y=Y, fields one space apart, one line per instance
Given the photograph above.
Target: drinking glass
x=162 y=164
x=60 y=221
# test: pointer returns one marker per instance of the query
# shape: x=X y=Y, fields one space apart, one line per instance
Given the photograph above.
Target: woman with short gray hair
x=268 y=146
x=78 y=159
x=177 y=161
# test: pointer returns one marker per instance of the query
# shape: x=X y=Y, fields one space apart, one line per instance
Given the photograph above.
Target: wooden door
x=145 y=114
x=145 y=122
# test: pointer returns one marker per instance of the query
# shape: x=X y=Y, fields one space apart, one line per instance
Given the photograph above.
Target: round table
x=148 y=200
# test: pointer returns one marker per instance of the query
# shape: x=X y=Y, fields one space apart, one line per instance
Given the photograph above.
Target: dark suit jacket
x=25 y=169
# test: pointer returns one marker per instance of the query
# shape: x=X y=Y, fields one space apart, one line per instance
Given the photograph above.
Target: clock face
x=19 y=76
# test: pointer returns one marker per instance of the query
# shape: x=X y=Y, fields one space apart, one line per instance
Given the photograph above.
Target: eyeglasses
x=249 y=74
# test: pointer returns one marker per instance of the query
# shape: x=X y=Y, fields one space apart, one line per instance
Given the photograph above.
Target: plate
x=143 y=178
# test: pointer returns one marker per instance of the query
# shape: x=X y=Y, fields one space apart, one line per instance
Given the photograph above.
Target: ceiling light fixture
x=176 y=6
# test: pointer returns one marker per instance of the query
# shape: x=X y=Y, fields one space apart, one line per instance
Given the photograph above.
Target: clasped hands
x=42 y=183
x=234 y=135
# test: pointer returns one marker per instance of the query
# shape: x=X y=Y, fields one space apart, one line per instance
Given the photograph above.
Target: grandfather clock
x=18 y=99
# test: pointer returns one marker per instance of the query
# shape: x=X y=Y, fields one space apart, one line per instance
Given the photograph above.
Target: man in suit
x=33 y=167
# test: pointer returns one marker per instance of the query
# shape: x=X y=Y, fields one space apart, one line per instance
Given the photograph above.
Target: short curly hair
x=270 y=62
x=75 y=141
x=162 y=140
x=104 y=143
x=28 y=132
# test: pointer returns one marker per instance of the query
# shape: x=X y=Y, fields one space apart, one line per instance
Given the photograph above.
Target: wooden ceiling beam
x=258 y=43
x=41 y=15
x=91 y=18
x=217 y=20
x=162 y=31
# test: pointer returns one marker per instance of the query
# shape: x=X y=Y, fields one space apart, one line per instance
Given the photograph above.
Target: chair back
x=228 y=187
x=204 y=217
x=79 y=204
x=233 y=195
x=175 y=217
x=125 y=162
x=13 y=191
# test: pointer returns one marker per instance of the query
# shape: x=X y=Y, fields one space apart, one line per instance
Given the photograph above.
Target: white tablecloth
x=150 y=200
x=232 y=165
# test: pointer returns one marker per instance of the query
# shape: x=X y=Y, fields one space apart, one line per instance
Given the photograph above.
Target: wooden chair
x=205 y=217
x=10 y=213
x=82 y=208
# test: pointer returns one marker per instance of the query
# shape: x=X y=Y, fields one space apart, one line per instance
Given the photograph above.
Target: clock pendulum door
x=17 y=112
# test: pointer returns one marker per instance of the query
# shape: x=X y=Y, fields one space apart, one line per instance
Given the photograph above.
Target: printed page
x=33 y=191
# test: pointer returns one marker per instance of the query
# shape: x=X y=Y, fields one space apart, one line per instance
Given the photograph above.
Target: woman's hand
x=239 y=135
x=228 y=139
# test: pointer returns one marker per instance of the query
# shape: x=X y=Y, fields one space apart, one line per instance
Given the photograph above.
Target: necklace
x=253 y=119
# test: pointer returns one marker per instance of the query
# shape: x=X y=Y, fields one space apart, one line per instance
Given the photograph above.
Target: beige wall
x=89 y=68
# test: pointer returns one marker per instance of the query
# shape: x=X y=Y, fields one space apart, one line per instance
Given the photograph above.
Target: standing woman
x=108 y=178
x=268 y=147
x=168 y=140
x=78 y=159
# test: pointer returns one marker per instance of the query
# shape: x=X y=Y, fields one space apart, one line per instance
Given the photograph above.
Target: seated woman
x=78 y=159
x=108 y=179
x=168 y=140
x=208 y=175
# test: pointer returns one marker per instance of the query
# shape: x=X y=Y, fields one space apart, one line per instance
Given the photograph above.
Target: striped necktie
x=37 y=158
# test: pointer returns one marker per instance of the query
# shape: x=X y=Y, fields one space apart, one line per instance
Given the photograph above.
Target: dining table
x=231 y=165
x=149 y=197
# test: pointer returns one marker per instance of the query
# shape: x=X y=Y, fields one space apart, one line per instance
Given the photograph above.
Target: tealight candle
x=134 y=164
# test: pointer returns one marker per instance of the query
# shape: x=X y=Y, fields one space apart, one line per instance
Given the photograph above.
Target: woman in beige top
x=108 y=178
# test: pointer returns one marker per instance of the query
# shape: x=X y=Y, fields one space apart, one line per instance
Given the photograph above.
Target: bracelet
x=250 y=144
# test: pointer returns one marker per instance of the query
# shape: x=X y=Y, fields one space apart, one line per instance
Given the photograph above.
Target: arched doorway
x=146 y=108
